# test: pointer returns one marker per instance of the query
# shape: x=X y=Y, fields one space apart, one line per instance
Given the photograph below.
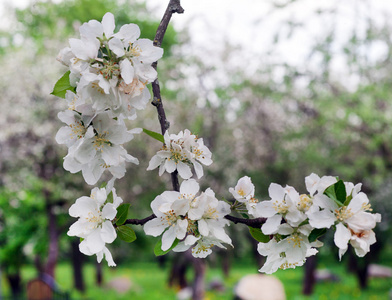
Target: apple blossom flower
x=94 y=225
x=179 y=153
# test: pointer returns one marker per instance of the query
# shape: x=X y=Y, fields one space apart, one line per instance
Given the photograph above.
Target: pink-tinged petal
x=276 y=191
x=198 y=169
x=168 y=238
x=154 y=162
x=108 y=24
x=184 y=170
x=117 y=47
x=108 y=233
x=271 y=226
x=155 y=227
x=128 y=33
x=341 y=238
x=189 y=187
x=127 y=71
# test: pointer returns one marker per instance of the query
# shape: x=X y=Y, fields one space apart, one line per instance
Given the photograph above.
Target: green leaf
x=109 y=198
x=258 y=235
x=158 y=248
x=337 y=192
x=126 y=233
x=62 y=86
x=122 y=213
x=103 y=185
x=316 y=233
x=245 y=216
x=154 y=135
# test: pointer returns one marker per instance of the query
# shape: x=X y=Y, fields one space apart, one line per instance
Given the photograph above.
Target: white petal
x=184 y=170
x=155 y=227
x=117 y=47
x=127 y=71
x=276 y=191
x=108 y=24
x=271 y=226
x=168 y=238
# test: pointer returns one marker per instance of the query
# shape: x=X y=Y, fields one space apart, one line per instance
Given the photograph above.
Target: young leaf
x=258 y=235
x=316 y=233
x=62 y=86
x=109 y=198
x=154 y=135
x=122 y=213
x=126 y=233
x=337 y=192
x=158 y=248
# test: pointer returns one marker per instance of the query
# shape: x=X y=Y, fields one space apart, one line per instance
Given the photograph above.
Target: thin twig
x=255 y=223
x=141 y=221
x=174 y=6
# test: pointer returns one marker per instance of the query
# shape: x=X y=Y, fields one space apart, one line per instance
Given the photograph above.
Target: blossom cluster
x=195 y=221
x=110 y=72
x=296 y=221
x=181 y=151
x=94 y=225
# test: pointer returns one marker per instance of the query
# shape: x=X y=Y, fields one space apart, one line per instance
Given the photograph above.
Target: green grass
x=149 y=282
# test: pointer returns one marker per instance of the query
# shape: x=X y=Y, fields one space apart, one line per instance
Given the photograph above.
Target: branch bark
x=174 y=6
x=256 y=223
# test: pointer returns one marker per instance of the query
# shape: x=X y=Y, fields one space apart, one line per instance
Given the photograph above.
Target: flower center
x=95 y=86
x=280 y=207
x=305 y=202
x=110 y=69
x=134 y=50
x=170 y=218
x=78 y=130
x=295 y=239
x=100 y=141
x=344 y=213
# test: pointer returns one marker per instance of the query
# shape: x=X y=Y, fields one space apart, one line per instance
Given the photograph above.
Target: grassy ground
x=149 y=282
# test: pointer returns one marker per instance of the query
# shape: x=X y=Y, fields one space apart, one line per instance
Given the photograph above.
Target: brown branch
x=256 y=223
x=141 y=221
x=174 y=6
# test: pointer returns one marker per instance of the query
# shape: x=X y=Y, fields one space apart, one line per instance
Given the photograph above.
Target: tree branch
x=174 y=6
x=256 y=223
x=141 y=221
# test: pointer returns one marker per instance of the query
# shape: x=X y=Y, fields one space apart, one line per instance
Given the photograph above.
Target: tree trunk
x=15 y=284
x=198 y=287
x=77 y=266
x=99 y=274
x=309 y=280
x=53 y=239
